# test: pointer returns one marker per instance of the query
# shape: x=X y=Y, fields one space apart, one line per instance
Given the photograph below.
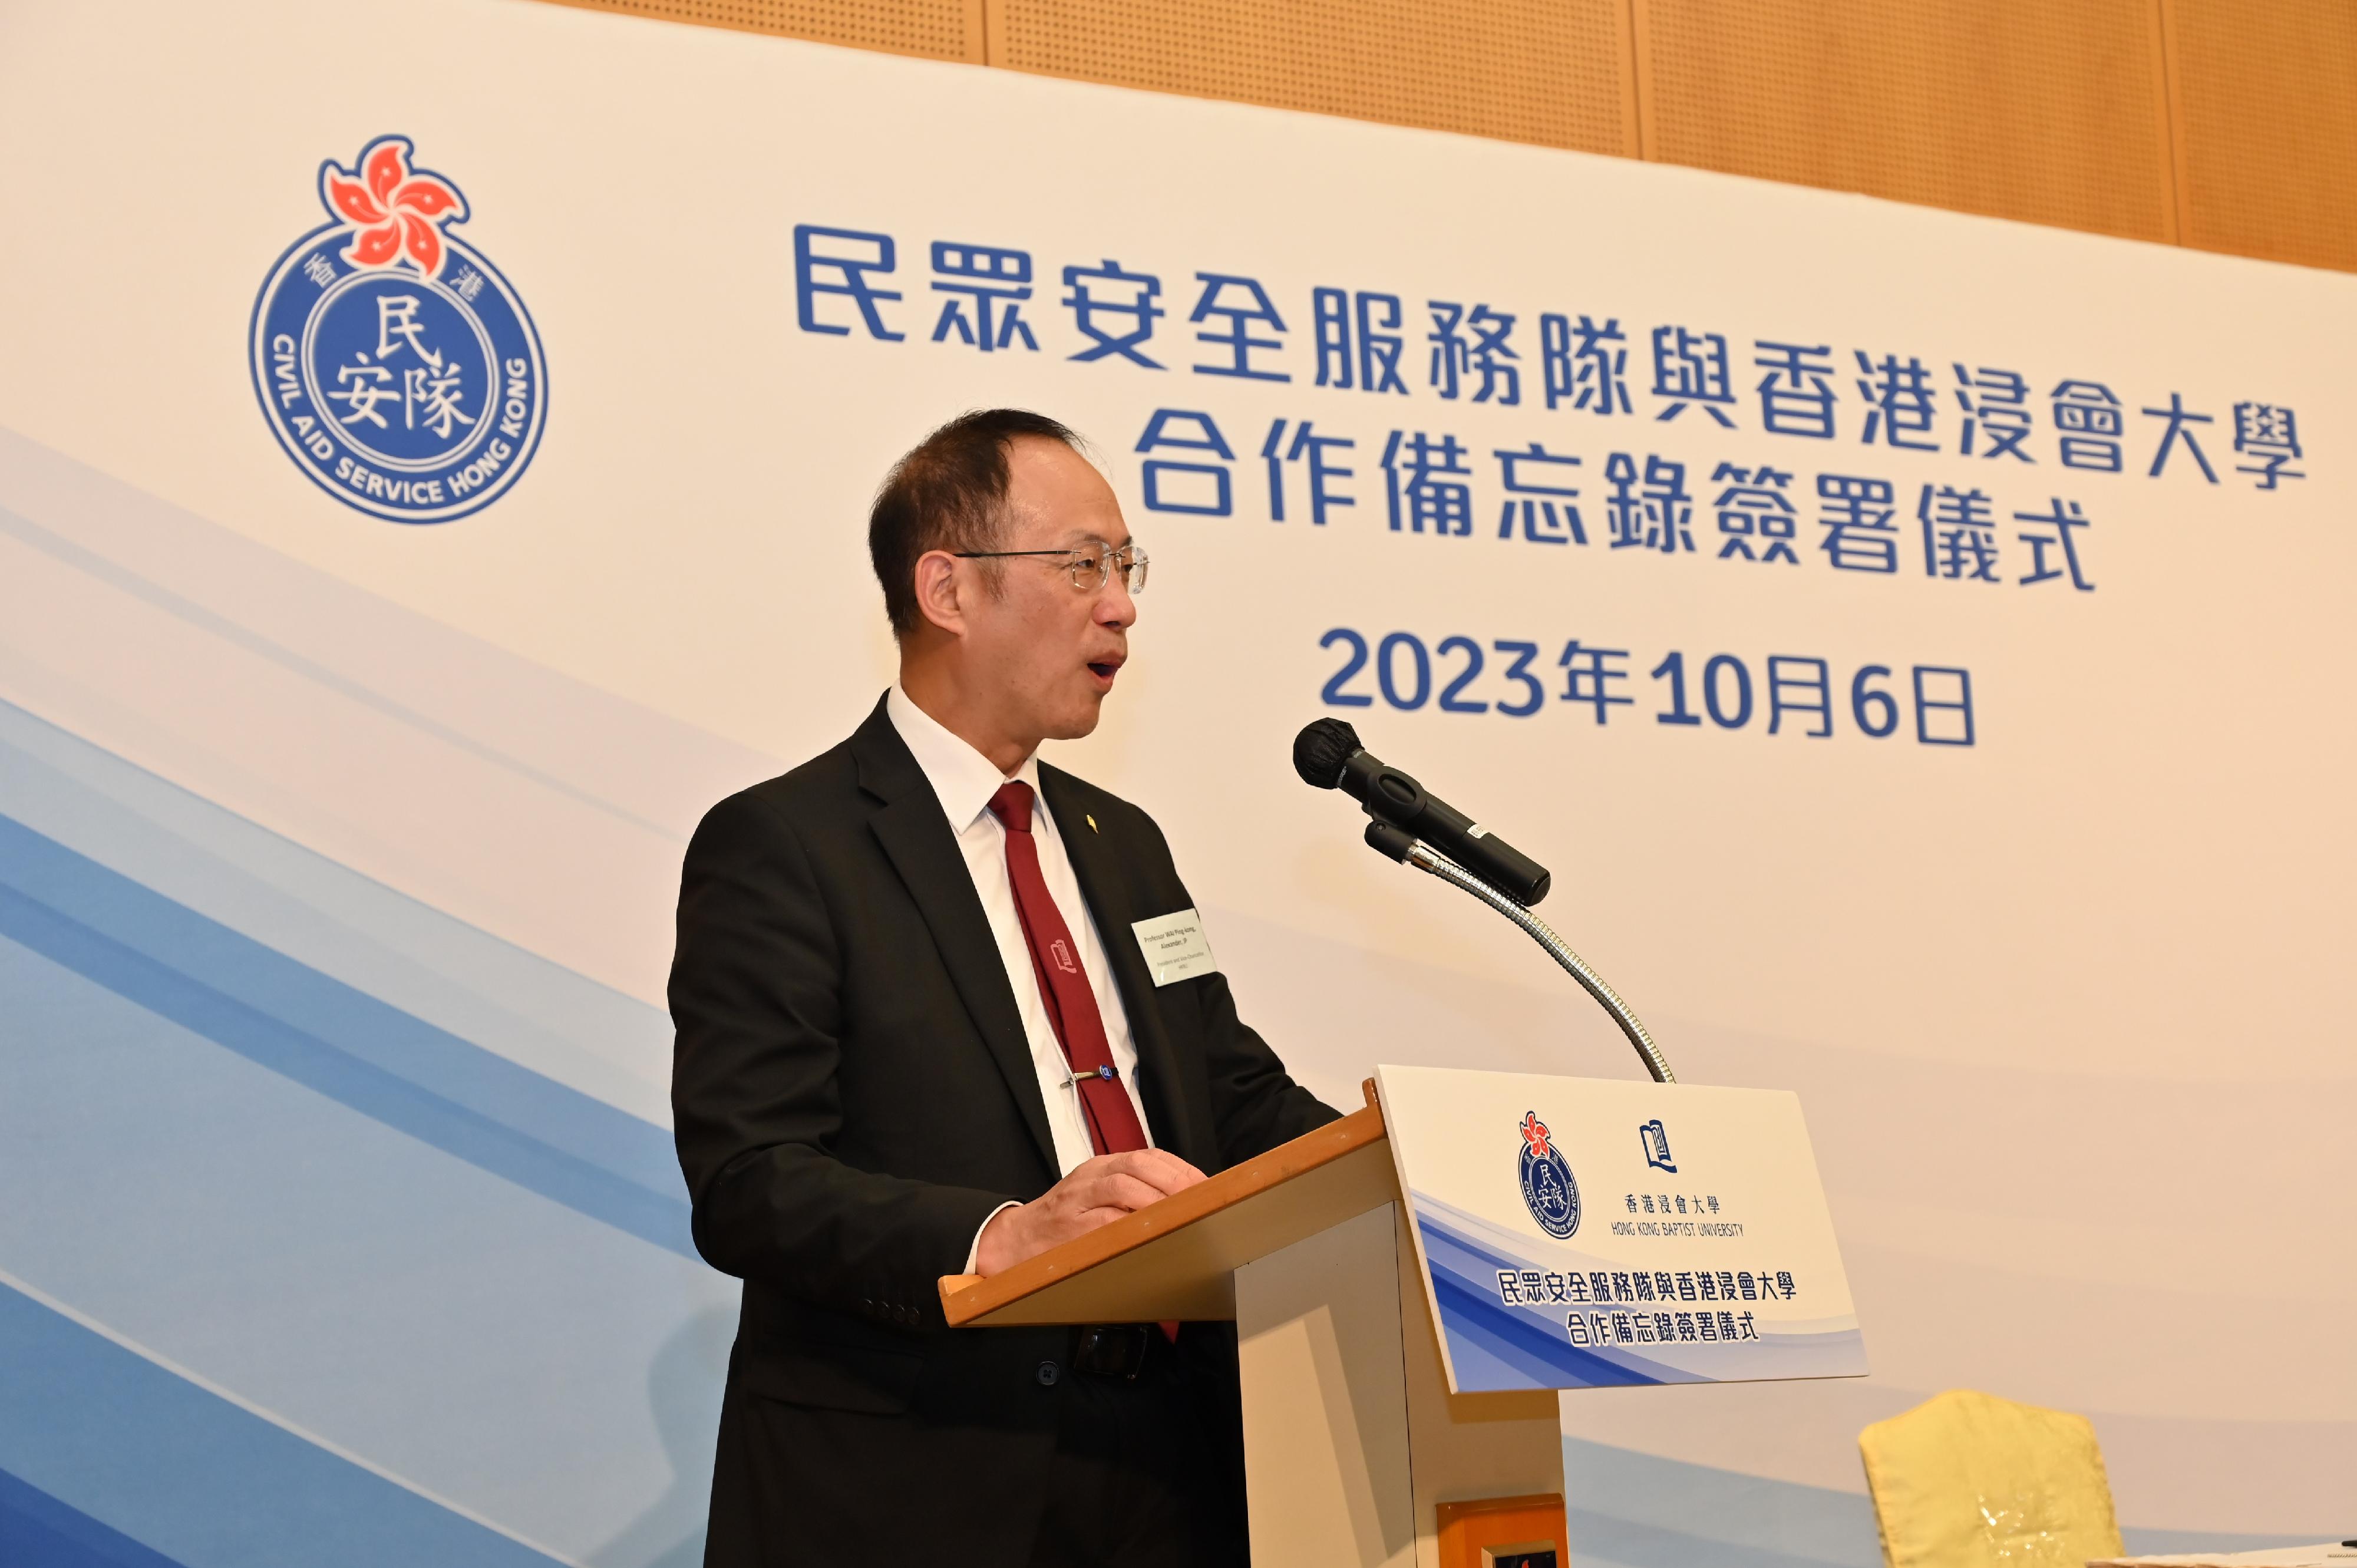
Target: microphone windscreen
x=1320 y=751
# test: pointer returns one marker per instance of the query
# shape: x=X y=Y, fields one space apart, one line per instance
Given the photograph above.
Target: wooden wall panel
x=1551 y=72
x=2231 y=124
x=2048 y=111
x=2264 y=93
x=935 y=29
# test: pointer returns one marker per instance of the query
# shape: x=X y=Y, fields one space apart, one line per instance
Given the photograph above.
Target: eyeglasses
x=1091 y=569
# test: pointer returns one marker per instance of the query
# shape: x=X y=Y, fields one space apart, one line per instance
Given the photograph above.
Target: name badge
x=1174 y=947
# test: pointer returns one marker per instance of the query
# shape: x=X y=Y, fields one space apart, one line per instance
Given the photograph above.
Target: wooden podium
x=1355 y=1451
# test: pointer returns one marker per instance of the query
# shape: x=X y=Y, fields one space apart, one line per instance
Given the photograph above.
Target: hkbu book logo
x=1656 y=1141
x=397 y=365
x=1548 y=1191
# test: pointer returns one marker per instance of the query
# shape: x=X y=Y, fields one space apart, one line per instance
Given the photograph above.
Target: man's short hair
x=948 y=493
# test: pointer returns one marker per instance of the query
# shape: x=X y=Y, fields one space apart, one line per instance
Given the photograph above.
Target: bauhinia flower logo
x=395 y=210
x=1548 y=1189
x=395 y=364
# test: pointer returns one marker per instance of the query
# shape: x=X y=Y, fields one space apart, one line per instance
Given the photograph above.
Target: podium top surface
x=1177 y=1258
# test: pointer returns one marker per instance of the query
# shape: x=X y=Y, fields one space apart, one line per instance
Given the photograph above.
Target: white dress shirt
x=964 y=780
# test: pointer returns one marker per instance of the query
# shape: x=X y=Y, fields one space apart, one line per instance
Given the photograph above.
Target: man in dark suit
x=918 y=1035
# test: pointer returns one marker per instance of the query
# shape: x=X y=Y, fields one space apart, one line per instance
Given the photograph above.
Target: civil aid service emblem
x=396 y=363
x=1548 y=1191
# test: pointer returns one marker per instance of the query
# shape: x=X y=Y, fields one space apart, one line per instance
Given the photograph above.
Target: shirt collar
x=963 y=778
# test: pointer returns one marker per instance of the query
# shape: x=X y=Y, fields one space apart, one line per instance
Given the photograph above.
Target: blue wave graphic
x=406 y=953
x=1494 y=1345
x=116 y=1460
x=37 y=1530
x=340 y=1042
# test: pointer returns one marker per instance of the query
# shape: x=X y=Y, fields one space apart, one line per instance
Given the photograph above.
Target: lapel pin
x=1093 y=822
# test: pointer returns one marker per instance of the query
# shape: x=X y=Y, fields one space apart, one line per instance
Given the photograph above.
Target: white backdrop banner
x=434 y=457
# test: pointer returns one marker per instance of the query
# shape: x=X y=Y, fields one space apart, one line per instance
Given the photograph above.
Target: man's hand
x=1097 y=1193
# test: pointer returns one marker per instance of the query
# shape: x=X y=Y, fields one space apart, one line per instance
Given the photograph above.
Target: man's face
x=1047 y=652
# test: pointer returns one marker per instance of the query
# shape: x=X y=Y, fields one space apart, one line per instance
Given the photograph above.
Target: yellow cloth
x=1968 y=1480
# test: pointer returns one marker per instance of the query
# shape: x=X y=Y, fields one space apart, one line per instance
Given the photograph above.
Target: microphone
x=1327 y=753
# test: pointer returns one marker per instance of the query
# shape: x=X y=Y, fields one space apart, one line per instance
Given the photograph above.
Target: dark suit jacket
x=853 y=1095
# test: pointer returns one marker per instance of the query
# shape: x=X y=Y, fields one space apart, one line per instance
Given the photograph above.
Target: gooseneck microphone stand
x=1403 y=846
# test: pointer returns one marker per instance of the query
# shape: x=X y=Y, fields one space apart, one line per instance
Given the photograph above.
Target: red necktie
x=1071 y=1006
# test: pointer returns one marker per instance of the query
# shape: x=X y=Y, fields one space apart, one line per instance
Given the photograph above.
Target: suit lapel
x=1096 y=865
x=916 y=839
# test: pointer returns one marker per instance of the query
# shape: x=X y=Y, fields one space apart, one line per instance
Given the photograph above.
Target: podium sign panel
x=1593 y=1233
x=1558 y=1233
